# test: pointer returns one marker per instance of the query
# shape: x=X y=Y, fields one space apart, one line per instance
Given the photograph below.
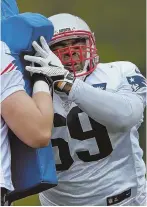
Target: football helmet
x=68 y=27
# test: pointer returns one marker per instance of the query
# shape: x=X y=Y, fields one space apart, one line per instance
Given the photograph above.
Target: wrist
x=64 y=86
x=38 y=77
x=67 y=88
x=41 y=86
x=41 y=83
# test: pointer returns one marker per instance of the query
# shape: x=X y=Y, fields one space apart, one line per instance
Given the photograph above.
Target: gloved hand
x=50 y=64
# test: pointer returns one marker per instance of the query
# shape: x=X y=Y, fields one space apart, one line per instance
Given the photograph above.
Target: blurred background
x=120 y=31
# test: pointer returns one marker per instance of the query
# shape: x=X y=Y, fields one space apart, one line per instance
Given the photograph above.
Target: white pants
x=140 y=200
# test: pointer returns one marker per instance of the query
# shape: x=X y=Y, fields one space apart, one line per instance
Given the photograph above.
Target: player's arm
x=29 y=118
x=113 y=110
x=116 y=111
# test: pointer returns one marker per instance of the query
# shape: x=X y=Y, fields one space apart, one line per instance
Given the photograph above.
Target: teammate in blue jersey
x=98 y=108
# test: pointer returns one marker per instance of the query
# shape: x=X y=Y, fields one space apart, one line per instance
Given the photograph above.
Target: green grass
x=29 y=201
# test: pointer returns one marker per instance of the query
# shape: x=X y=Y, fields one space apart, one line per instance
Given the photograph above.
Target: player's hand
x=47 y=62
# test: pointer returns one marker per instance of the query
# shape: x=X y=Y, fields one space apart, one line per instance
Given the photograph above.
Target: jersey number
x=97 y=131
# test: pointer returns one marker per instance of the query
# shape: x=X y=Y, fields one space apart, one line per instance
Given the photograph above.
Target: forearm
x=30 y=119
x=44 y=106
x=113 y=110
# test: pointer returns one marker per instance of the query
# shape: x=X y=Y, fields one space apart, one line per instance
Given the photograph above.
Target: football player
x=98 y=108
x=29 y=118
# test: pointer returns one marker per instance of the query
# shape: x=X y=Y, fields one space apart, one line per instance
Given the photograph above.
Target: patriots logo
x=137 y=82
x=100 y=85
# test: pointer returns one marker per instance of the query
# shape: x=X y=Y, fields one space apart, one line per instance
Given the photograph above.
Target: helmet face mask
x=72 y=54
x=75 y=48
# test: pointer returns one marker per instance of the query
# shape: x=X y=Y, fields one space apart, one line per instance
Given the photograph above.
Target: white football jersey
x=11 y=81
x=98 y=164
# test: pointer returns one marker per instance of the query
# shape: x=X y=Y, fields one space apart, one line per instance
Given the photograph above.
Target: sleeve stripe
x=10 y=67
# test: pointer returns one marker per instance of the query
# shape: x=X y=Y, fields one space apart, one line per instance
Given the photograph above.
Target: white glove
x=50 y=64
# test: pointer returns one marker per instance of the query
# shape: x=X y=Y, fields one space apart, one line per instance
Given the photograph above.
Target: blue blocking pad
x=19 y=31
x=8 y=8
x=33 y=170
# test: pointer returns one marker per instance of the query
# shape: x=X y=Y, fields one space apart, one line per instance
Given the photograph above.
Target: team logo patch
x=64 y=30
x=137 y=82
x=100 y=85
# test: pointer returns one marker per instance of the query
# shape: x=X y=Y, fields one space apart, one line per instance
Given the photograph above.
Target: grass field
x=29 y=201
